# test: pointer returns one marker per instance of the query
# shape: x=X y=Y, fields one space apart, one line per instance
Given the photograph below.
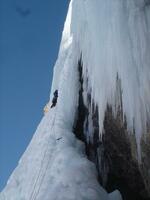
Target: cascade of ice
x=114 y=39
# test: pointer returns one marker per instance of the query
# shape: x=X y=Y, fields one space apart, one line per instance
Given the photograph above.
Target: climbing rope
x=40 y=184
x=41 y=175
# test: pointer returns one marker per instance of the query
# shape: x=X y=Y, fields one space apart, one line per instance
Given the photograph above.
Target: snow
x=113 y=39
x=54 y=167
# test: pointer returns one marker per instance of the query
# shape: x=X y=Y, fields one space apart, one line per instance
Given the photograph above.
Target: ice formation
x=54 y=167
x=113 y=39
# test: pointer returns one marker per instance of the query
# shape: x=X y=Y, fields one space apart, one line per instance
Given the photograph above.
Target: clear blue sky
x=30 y=33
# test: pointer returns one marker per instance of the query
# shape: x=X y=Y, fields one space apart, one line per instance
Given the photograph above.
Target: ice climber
x=54 y=101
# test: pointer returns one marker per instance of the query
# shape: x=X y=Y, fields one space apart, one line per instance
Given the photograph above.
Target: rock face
x=145 y=166
x=115 y=154
x=124 y=171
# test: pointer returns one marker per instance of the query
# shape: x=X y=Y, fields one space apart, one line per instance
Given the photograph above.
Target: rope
x=34 y=194
x=39 y=174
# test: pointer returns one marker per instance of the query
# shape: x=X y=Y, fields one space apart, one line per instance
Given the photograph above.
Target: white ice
x=54 y=167
x=114 y=40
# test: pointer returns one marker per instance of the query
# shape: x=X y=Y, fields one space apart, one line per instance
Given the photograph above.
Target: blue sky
x=30 y=33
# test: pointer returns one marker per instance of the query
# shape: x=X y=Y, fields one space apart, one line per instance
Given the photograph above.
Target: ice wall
x=114 y=39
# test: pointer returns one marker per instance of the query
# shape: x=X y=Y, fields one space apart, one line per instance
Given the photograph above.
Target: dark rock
x=115 y=154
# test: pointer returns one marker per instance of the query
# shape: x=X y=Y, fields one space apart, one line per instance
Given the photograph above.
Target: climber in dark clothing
x=54 y=101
